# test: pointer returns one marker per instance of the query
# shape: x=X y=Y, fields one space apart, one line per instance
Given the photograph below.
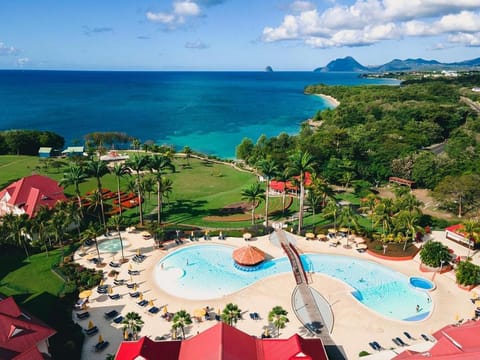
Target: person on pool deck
x=418 y=308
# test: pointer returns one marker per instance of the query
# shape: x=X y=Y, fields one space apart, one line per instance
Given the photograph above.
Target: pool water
x=112 y=245
x=422 y=283
x=207 y=272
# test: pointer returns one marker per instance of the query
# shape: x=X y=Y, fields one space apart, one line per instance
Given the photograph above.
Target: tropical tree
x=268 y=168
x=231 y=314
x=348 y=217
x=299 y=164
x=188 y=153
x=157 y=165
x=132 y=324
x=409 y=221
x=74 y=176
x=181 y=319
x=58 y=224
x=313 y=200
x=368 y=206
x=95 y=200
x=92 y=232
x=116 y=222
x=467 y=273
x=17 y=229
x=382 y=216
x=472 y=229
x=434 y=254
x=283 y=177
x=119 y=170
x=331 y=211
x=137 y=163
x=40 y=225
x=278 y=317
x=253 y=194
x=98 y=168
x=323 y=189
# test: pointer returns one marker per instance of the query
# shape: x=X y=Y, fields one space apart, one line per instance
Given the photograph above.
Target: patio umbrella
x=140 y=297
x=248 y=255
x=100 y=338
x=332 y=231
x=247 y=236
x=138 y=252
x=165 y=310
x=90 y=256
x=362 y=246
x=150 y=303
x=360 y=240
x=110 y=290
x=90 y=324
x=101 y=282
x=125 y=335
x=146 y=234
x=130 y=266
x=321 y=236
x=310 y=235
x=344 y=230
x=266 y=332
x=135 y=287
x=199 y=313
x=85 y=294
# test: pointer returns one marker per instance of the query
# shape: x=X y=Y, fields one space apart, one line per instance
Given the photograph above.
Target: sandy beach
x=331 y=101
x=354 y=324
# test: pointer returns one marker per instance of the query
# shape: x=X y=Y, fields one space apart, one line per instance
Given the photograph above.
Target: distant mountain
x=349 y=64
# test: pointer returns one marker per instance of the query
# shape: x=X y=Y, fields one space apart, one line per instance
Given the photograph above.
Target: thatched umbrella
x=248 y=256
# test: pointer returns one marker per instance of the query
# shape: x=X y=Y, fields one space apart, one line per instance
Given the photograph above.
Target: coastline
x=330 y=100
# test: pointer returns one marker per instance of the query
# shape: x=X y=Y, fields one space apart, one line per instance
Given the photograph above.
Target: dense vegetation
x=27 y=142
x=379 y=131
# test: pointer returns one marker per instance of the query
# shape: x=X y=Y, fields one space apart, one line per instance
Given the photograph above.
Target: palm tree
x=472 y=228
x=407 y=220
x=40 y=225
x=188 y=153
x=116 y=222
x=369 y=203
x=74 y=176
x=148 y=184
x=231 y=314
x=278 y=317
x=73 y=213
x=16 y=226
x=299 y=164
x=409 y=202
x=180 y=320
x=268 y=168
x=92 y=232
x=98 y=168
x=119 y=170
x=137 y=163
x=323 y=189
x=96 y=200
x=253 y=194
x=314 y=200
x=348 y=217
x=332 y=210
x=157 y=165
x=58 y=223
x=132 y=323
x=382 y=216
x=283 y=177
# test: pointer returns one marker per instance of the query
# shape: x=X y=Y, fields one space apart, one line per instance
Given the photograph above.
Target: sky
x=232 y=34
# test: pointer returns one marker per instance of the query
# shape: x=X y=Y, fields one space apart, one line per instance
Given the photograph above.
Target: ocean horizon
x=209 y=111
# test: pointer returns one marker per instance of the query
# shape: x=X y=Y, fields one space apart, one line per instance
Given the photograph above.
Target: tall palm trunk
x=302 y=198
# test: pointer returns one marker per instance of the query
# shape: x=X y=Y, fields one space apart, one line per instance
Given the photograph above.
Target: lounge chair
x=131 y=286
x=114 y=264
x=134 y=294
x=425 y=337
x=101 y=346
x=400 y=341
x=372 y=346
x=143 y=302
x=90 y=332
x=82 y=316
x=377 y=345
x=114 y=296
x=118 y=319
x=133 y=272
x=153 y=310
x=119 y=282
x=111 y=314
x=395 y=341
x=408 y=336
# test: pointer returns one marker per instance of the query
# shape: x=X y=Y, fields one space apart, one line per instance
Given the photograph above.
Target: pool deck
x=354 y=327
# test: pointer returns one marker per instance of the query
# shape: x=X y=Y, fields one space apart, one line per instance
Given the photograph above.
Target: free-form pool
x=207 y=272
x=112 y=245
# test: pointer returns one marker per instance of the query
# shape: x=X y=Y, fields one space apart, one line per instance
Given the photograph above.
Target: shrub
x=434 y=253
x=363 y=353
x=467 y=273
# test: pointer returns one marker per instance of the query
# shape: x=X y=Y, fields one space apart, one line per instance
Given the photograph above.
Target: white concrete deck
x=355 y=325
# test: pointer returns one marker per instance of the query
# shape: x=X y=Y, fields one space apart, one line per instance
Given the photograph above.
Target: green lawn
x=14 y=167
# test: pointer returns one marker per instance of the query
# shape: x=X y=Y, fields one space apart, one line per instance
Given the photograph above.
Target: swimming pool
x=112 y=245
x=207 y=272
x=422 y=283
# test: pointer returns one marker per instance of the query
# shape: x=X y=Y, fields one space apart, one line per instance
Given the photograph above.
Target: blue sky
x=232 y=34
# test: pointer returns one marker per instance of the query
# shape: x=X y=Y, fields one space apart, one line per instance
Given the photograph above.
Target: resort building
x=223 y=341
x=278 y=187
x=73 y=151
x=28 y=194
x=21 y=335
x=457 y=233
x=45 y=152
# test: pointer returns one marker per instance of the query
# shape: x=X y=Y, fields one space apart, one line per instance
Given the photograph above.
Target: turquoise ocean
x=209 y=111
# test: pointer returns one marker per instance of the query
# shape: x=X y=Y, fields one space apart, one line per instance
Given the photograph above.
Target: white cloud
x=369 y=21
x=181 y=11
x=197 y=44
x=22 y=61
x=6 y=50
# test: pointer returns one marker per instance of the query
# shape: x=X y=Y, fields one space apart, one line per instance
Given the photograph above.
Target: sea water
x=211 y=112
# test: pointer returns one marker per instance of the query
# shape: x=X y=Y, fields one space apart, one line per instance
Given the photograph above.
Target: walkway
x=310 y=307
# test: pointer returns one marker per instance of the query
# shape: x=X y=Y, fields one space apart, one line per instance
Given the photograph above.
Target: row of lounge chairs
x=399 y=342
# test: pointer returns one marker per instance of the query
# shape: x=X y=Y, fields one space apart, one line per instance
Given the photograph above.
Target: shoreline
x=330 y=100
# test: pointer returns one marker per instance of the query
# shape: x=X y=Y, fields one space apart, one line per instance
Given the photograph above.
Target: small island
x=268 y=69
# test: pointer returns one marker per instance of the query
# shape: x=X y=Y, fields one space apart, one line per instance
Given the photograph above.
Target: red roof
x=281 y=186
x=453 y=342
x=32 y=192
x=20 y=333
x=224 y=342
x=456 y=229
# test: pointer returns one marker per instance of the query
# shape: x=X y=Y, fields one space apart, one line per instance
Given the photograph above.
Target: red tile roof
x=281 y=186
x=32 y=192
x=20 y=333
x=453 y=342
x=224 y=342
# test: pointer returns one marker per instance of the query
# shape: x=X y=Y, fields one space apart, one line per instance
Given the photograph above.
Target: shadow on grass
x=11 y=259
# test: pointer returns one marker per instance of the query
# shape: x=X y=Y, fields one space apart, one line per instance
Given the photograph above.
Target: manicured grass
x=14 y=167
